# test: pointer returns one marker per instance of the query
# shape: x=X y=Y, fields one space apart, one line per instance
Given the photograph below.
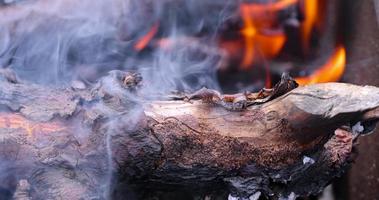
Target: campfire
x=175 y=99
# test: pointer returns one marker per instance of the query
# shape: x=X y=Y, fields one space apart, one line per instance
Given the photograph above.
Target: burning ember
x=143 y=42
x=17 y=121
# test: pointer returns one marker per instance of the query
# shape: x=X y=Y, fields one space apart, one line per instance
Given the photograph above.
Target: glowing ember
x=16 y=121
x=331 y=71
x=144 y=41
x=263 y=39
x=164 y=43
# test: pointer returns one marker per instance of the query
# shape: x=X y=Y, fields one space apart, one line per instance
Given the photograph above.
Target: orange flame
x=17 y=121
x=331 y=71
x=144 y=41
x=311 y=10
x=258 y=19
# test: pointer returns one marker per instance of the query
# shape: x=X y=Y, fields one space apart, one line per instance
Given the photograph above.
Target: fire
x=331 y=71
x=144 y=41
x=17 y=121
x=262 y=37
x=311 y=17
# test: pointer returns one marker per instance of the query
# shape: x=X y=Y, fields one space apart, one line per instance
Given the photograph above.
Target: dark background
x=361 y=36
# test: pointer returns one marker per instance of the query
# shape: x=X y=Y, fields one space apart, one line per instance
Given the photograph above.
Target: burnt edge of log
x=86 y=140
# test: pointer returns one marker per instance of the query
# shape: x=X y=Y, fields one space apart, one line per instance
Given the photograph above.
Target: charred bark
x=78 y=144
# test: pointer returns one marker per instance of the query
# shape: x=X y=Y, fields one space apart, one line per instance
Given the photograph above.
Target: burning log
x=77 y=143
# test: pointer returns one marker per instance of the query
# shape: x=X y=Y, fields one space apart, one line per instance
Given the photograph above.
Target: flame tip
x=331 y=71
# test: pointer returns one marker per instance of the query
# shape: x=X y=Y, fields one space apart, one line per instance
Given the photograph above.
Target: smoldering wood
x=65 y=143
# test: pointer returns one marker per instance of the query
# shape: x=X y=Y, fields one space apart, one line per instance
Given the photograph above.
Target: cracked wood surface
x=68 y=144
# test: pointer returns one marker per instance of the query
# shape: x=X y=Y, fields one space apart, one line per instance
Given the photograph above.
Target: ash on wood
x=80 y=143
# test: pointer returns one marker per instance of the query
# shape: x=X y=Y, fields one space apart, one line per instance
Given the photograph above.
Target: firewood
x=79 y=143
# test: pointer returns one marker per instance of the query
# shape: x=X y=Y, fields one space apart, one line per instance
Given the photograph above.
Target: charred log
x=78 y=143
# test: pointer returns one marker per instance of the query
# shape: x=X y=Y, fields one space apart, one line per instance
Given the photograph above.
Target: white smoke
x=56 y=41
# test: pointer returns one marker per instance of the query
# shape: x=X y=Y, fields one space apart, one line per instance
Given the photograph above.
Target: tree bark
x=79 y=144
